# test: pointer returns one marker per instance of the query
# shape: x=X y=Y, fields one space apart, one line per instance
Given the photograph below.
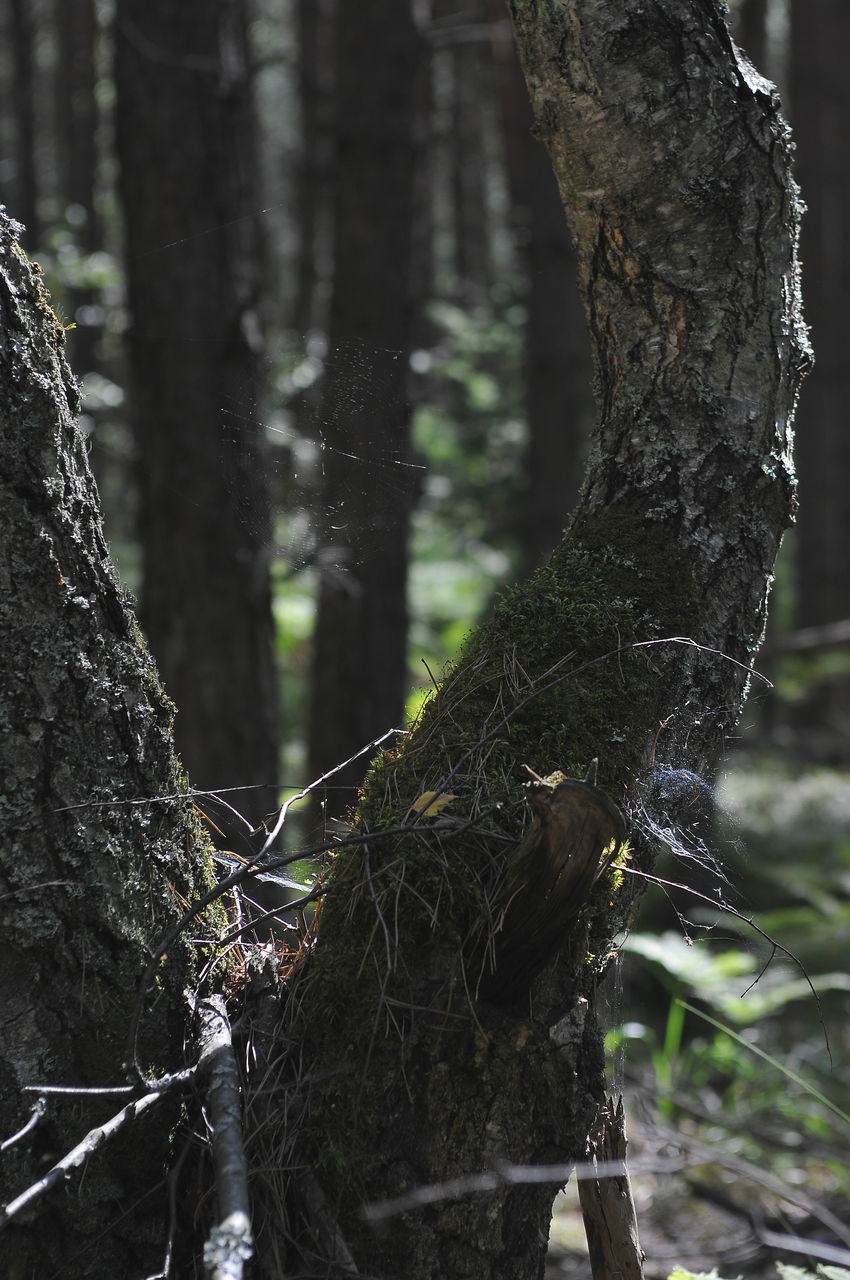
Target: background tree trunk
x=820 y=100
x=76 y=113
x=25 y=188
x=673 y=166
x=558 y=374
x=98 y=843
x=314 y=27
x=185 y=133
x=359 y=664
x=750 y=29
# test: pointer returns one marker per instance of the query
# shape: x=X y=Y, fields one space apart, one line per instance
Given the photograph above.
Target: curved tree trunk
x=673 y=166
x=98 y=845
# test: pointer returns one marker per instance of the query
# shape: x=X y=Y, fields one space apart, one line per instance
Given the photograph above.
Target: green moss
x=552 y=680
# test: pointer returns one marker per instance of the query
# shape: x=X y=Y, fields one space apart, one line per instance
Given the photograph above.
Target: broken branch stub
x=576 y=832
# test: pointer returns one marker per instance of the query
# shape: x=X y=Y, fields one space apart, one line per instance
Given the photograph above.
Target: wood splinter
x=607 y=1206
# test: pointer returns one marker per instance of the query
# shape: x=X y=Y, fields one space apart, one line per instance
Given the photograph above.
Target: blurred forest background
x=320 y=295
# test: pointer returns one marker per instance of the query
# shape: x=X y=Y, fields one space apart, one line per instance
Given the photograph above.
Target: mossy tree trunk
x=673 y=167
x=98 y=845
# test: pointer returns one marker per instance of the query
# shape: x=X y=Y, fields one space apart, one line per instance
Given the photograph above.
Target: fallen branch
x=230 y=1243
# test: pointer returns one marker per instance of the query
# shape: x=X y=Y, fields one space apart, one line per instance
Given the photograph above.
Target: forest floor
x=697 y=1216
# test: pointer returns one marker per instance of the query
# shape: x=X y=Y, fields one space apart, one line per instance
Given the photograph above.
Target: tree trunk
x=359 y=668
x=98 y=843
x=819 y=102
x=26 y=193
x=76 y=115
x=313 y=25
x=558 y=380
x=673 y=166
x=185 y=133
x=750 y=28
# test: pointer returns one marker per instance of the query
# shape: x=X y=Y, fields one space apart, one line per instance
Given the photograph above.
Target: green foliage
x=784 y=1270
x=735 y=1049
x=681 y=1274
x=469 y=430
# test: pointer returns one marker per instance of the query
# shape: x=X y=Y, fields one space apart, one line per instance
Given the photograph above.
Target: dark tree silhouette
x=185 y=132
x=819 y=103
x=359 y=665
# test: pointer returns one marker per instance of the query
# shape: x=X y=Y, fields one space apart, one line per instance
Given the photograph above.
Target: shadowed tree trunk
x=76 y=150
x=820 y=99
x=558 y=380
x=313 y=25
x=98 y=844
x=750 y=28
x=185 y=132
x=25 y=198
x=673 y=166
x=359 y=667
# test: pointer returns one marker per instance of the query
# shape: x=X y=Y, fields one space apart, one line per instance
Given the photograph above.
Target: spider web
x=322 y=406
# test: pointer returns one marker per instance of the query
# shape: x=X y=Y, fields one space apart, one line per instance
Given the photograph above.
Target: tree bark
x=185 y=134
x=98 y=843
x=673 y=166
x=359 y=664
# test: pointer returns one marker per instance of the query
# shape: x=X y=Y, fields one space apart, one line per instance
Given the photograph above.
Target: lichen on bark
x=100 y=846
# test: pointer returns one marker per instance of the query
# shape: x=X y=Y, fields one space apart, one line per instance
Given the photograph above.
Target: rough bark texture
x=673 y=166
x=359 y=668
x=91 y=875
x=185 y=134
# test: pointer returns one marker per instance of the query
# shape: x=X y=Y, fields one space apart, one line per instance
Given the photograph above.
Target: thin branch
x=504 y=1174
x=686 y=641
x=230 y=1243
x=79 y=1090
x=247 y=873
x=748 y=920
x=173 y=1178
x=38 y=1111
x=93 y=1140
